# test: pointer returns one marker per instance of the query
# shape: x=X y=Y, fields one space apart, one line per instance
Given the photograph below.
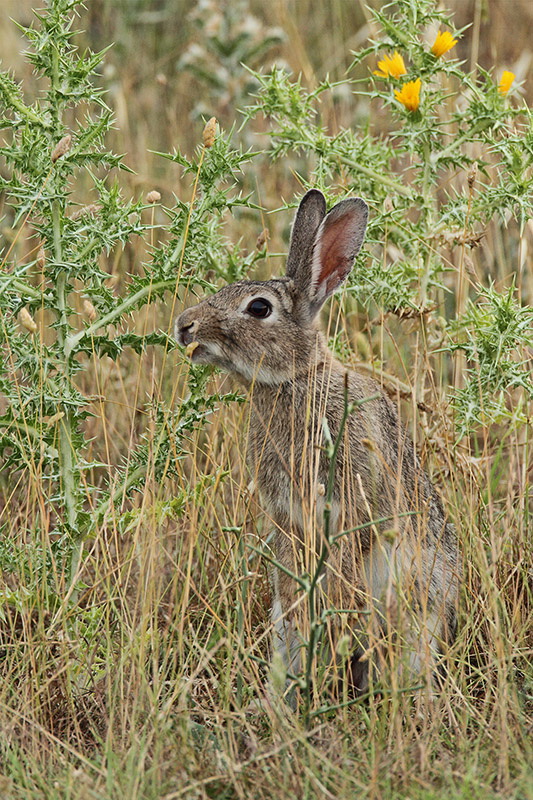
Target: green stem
x=117 y=312
x=23 y=109
x=376 y=176
x=22 y=288
x=69 y=481
x=453 y=146
x=379 y=692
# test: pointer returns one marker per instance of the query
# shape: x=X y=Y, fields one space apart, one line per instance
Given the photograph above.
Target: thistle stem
x=377 y=176
x=117 y=312
x=69 y=481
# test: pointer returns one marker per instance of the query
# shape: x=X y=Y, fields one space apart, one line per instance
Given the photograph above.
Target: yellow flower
x=443 y=43
x=409 y=94
x=506 y=81
x=391 y=66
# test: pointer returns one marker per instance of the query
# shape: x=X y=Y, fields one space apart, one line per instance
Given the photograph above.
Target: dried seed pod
x=153 y=196
x=41 y=257
x=472 y=175
x=27 y=321
x=89 y=310
x=388 y=205
x=61 y=148
x=210 y=130
x=261 y=239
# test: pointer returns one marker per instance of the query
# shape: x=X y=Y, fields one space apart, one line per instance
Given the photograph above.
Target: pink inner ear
x=337 y=252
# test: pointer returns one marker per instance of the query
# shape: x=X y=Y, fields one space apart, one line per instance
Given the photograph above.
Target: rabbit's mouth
x=197 y=352
x=205 y=353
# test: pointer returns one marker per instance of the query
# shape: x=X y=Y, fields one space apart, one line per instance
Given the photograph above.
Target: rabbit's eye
x=260 y=308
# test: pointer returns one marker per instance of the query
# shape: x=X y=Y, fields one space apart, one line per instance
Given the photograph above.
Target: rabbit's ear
x=311 y=212
x=337 y=242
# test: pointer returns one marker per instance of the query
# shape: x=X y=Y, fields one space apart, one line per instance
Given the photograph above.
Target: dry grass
x=146 y=700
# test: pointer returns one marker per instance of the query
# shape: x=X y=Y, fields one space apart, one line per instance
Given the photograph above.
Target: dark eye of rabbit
x=260 y=308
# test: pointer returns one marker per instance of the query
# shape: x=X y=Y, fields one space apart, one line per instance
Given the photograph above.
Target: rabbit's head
x=267 y=330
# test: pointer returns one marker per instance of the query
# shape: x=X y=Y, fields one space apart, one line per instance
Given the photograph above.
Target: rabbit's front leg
x=285 y=640
x=286 y=648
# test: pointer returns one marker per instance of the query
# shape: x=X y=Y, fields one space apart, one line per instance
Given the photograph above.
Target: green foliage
x=420 y=222
x=42 y=425
x=492 y=333
x=227 y=35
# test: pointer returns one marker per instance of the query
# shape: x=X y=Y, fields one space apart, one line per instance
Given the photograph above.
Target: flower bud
x=261 y=239
x=153 y=196
x=506 y=82
x=472 y=175
x=209 y=133
x=27 y=321
x=41 y=257
x=61 y=148
x=89 y=310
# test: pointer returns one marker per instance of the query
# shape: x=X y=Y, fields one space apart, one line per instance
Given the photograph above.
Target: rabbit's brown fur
x=400 y=572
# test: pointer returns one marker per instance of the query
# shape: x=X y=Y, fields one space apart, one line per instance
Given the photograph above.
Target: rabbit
x=394 y=578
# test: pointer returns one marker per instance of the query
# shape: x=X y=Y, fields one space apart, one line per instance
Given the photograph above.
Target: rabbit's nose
x=186 y=331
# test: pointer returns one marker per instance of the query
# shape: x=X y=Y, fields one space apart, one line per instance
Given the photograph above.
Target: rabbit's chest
x=286 y=464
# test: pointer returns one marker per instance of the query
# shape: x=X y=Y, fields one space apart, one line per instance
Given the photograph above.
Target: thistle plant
x=57 y=305
x=227 y=36
x=458 y=154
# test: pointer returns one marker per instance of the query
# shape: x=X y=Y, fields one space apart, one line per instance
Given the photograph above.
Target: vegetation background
x=129 y=677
